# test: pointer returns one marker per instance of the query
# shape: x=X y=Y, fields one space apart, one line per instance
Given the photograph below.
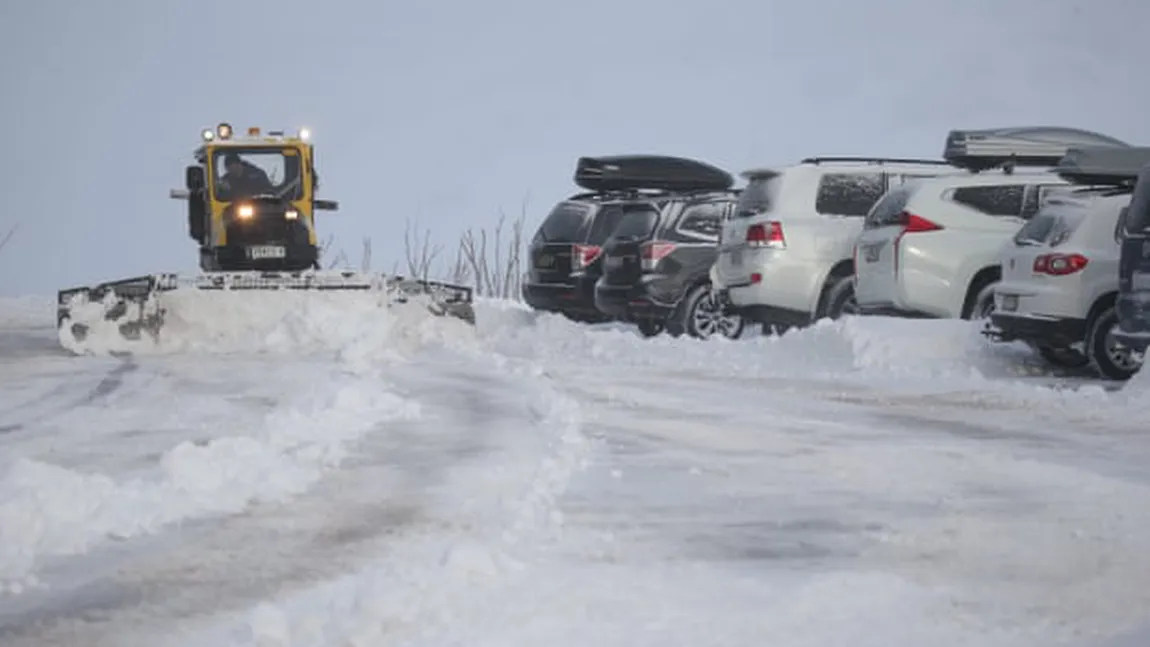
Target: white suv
x=1060 y=272
x=785 y=257
x=931 y=248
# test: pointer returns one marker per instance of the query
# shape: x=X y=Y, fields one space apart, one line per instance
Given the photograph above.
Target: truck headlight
x=291 y=214
x=245 y=211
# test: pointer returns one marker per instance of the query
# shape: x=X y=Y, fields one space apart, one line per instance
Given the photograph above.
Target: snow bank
x=47 y=511
x=355 y=324
x=887 y=346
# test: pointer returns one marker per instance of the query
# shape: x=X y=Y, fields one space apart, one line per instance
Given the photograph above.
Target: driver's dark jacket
x=251 y=181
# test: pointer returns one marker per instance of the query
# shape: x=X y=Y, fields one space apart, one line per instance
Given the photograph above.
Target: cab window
x=250 y=172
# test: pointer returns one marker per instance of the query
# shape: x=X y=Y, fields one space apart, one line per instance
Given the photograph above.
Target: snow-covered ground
x=346 y=475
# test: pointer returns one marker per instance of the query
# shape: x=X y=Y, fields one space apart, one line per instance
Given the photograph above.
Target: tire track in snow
x=111 y=382
x=139 y=590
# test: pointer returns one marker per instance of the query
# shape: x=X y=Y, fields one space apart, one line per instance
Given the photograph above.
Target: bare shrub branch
x=492 y=263
x=365 y=259
x=8 y=236
x=419 y=255
x=489 y=260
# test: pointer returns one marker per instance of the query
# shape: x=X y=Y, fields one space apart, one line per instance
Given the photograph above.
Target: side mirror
x=194 y=178
x=326 y=205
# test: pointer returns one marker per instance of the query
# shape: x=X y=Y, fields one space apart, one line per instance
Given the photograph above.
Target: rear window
x=638 y=221
x=1053 y=224
x=567 y=222
x=888 y=210
x=849 y=194
x=995 y=200
x=606 y=219
x=1036 y=230
x=758 y=196
x=1138 y=218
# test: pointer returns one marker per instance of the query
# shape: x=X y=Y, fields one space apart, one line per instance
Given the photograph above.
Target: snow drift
x=46 y=510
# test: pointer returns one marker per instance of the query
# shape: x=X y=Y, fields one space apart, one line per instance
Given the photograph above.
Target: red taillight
x=914 y=224
x=767 y=234
x=651 y=253
x=1059 y=264
x=911 y=224
x=583 y=255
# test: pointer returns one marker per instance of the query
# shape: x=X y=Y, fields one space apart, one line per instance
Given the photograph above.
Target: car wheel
x=983 y=304
x=1108 y=358
x=1062 y=357
x=704 y=315
x=650 y=327
x=840 y=299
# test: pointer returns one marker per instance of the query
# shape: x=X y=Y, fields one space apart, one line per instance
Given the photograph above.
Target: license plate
x=266 y=251
x=614 y=262
x=1010 y=302
x=871 y=252
x=736 y=257
x=545 y=260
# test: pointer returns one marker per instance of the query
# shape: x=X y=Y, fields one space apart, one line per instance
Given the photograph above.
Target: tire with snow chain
x=983 y=303
x=839 y=299
x=1105 y=356
x=703 y=315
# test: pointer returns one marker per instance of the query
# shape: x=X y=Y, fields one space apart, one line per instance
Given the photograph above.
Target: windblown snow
x=281 y=469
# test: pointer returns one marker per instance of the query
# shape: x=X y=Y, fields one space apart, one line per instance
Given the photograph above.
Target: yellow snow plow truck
x=251 y=203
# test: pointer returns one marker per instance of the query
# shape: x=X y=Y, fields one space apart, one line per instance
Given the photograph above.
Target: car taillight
x=767 y=234
x=1059 y=264
x=651 y=253
x=911 y=224
x=583 y=255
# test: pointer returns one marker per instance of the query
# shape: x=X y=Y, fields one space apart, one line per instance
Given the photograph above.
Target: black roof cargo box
x=657 y=172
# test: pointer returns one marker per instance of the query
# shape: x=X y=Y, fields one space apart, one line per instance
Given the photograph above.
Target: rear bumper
x=770 y=315
x=763 y=314
x=576 y=297
x=1041 y=331
x=772 y=280
x=630 y=302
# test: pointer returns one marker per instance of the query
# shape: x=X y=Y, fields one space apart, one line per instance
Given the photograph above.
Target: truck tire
x=1110 y=361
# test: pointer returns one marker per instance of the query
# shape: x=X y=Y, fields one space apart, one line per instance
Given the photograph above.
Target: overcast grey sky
x=453 y=109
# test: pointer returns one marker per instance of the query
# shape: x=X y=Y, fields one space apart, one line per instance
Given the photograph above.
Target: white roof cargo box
x=1103 y=166
x=981 y=150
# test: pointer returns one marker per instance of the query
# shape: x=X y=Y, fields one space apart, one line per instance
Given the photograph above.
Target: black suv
x=657 y=261
x=1133 y=302
x=565 y=254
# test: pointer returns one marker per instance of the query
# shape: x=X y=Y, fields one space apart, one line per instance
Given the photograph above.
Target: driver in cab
x=244 y=178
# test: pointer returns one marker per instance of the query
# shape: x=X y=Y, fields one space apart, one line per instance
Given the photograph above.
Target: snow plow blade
x=136 y=305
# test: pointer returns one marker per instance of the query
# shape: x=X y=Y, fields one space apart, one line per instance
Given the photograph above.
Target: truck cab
x=251 y=201
x=1133 y=302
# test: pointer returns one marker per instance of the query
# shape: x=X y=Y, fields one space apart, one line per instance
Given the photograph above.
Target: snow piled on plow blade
x=259 y=321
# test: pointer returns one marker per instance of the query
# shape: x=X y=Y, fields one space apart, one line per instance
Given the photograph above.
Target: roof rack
x=644 y=194
x=1006 y=148
x=1103 y=165
x=658 y=172
x=871 y=160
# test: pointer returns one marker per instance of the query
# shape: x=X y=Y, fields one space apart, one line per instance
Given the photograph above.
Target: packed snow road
x=345 y=476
